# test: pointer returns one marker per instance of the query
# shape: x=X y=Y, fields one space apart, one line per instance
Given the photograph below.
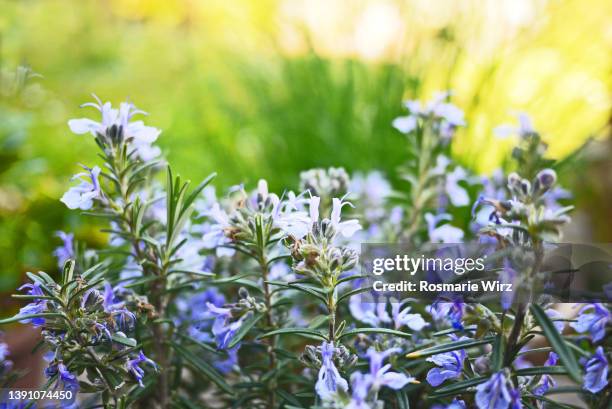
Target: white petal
x=83 y=125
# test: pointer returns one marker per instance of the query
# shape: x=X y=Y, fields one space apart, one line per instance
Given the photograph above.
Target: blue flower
x=124 y=319
x=194 y=312
x=450 y=366
x=556 y=317
x=596 y=367
x=17 y=404
x=494 y=393
x=329 y=380
x=402 y=317
x=67 y=381
x=448 y=311
x=360 y=385
x=66 y=250
x=35 y=307
x=83 y=195
x=380 y=373
x=228 y=364
x=214 y=236
x=593 y=319
x=547 y=381
x=4 y=352
x=5 y=364
x=133 y=367
x=364 y=384
x=223 y=328
x=369 y=311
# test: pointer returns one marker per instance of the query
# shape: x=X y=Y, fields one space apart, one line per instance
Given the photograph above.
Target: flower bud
x=544 y=180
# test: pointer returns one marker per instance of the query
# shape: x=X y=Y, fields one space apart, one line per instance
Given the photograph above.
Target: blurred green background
x=267 y=88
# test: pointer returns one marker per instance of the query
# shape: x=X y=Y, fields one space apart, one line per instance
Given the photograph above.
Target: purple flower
x=380 y=373
x=547 y=381
x=223 y=328
x=133 y=367
x=124 y=319
x=195 y=313
x=507 y=275
x=450 y=366
x=448 y=311
x=228 y=364
x=515 y=399
x=555 y=316
x=5 y=364
x=494 y=393
x=66 y=380
x=405 y=124
x=35 y=307
x=214 y=236
x=4 y=352
x=448 y=115
x=525 y=127
x=596 y=367
x=83 y=195
x=360 y=385
x=379 y=376
x=373 y=190
x=403 y=317
x=593 y=320
x=329 y=380
x=141 y=137
x=369 y=311
x=66 y=250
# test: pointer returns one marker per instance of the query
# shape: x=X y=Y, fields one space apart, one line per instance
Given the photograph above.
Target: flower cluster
x=202 y=299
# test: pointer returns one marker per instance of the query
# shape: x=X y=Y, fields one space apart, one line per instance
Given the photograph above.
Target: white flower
x=346 y=228
x=457 y=194
x=140 y=136
x=445 y=233
x=83 y=195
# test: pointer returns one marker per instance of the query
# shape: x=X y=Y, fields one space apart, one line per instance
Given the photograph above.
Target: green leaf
x=302 y=288
x=194 y=341
x=29 y=316
x=557 y=343
x=542 y=370
x=458 y=386
x=358 y=331
x=451 y=346
x=130 y=342
x=198 y=273
x=351 y=293
x=246 y=326
x=203 y=367
x=305 y=332
x=317 y=321
x=497 y=354
x=554 y=403
x=68 y=271
x=402 y=399
x=286 y=396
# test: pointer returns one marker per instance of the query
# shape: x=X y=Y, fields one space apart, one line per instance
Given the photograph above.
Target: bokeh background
x=267 y=88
